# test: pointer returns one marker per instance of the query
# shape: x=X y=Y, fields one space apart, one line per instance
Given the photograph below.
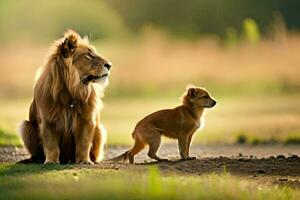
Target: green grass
x=71 y=182
x=243 y=138
x=8 y=138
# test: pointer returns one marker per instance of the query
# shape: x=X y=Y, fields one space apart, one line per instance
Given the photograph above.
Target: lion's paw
x=85 y=162
x=48 y=162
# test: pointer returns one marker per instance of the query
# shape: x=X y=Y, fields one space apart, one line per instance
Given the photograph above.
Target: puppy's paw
x=191 y=158
x=188 y=158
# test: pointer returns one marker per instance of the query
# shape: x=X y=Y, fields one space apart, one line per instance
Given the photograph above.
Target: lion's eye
x=87 y=56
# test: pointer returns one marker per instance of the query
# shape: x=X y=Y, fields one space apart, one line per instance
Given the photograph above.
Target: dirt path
x=265 y=163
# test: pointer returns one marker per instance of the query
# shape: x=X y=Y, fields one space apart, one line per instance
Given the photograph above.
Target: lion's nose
x=108 y=65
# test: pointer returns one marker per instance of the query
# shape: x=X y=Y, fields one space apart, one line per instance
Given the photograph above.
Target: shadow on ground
x=274 y=166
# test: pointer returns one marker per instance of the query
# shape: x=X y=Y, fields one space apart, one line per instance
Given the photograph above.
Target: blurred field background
x=246 y=53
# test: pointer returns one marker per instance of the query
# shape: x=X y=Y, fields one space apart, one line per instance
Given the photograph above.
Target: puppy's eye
x=205 y=97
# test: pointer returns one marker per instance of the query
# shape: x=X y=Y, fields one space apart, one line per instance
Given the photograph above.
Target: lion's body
x=64 y=117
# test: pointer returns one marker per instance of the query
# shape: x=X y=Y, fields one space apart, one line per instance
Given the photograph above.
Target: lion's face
x=91 y=67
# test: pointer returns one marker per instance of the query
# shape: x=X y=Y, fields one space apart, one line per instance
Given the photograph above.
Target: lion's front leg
x=50 y=138
x=84 y=138
x=97 y=151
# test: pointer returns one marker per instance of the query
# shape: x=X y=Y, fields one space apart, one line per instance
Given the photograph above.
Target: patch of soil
x=274 y=164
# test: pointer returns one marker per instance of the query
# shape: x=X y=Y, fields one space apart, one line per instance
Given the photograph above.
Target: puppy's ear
x=67 y=48
x=192 y=92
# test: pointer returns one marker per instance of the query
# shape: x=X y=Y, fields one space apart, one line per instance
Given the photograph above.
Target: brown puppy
x=178 y=123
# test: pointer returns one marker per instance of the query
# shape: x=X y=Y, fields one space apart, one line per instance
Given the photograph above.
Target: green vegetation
x=8 y=138
x=249 y=139
x=51 y=18
x=292 y=140
x=122 y=18
x=196 y=18
x=251 y=31
x=70 y=182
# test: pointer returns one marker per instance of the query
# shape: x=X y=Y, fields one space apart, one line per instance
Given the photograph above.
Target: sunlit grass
x=70 y=182
x=258 y=118
x=9 y=138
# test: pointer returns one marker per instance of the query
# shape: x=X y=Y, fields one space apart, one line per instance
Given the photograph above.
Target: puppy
x=179 y=123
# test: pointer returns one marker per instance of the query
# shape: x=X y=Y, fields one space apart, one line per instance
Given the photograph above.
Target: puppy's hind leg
x=138 y=146
x=129 y=155
x=154 y=144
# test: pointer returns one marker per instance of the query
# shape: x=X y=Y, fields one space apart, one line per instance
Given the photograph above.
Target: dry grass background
x=154 y=61
x=257 y=86
x=158 y=61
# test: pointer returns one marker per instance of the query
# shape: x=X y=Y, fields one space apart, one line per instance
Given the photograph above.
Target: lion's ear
x=69 y=45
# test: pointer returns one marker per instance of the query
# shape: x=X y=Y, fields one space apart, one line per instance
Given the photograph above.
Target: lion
x=64 y=117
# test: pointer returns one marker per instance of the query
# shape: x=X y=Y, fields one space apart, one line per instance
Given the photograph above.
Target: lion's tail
x=30 y=135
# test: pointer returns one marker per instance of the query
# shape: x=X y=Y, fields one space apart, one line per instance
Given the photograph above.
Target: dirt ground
x=269 y=164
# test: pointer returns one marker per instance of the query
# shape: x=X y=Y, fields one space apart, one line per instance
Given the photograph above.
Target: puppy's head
x=199 y=97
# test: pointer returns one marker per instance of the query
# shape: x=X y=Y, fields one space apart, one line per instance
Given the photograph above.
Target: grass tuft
x=7 y=138
x=292 y=140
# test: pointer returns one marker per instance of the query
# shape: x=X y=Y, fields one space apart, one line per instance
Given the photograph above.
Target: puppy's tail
x=121 y=158
x=129 y=155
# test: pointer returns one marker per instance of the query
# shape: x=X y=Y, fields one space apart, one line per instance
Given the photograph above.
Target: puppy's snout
x=108 y=65
x=213 y=103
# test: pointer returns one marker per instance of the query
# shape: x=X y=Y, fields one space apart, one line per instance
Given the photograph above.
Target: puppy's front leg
x=50 y=138
x=183 y=144
x=83 y=138
x=188 y=146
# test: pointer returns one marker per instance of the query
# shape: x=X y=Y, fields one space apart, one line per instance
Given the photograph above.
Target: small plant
x=231 y=37
x=292 y=140
x=241 y=139
x=8 y=138
x=251 y=31
x=225 y=170
x=256 y=141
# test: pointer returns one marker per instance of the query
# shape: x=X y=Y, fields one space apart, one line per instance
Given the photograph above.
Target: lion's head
x=91 y=67
x=75 y=66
